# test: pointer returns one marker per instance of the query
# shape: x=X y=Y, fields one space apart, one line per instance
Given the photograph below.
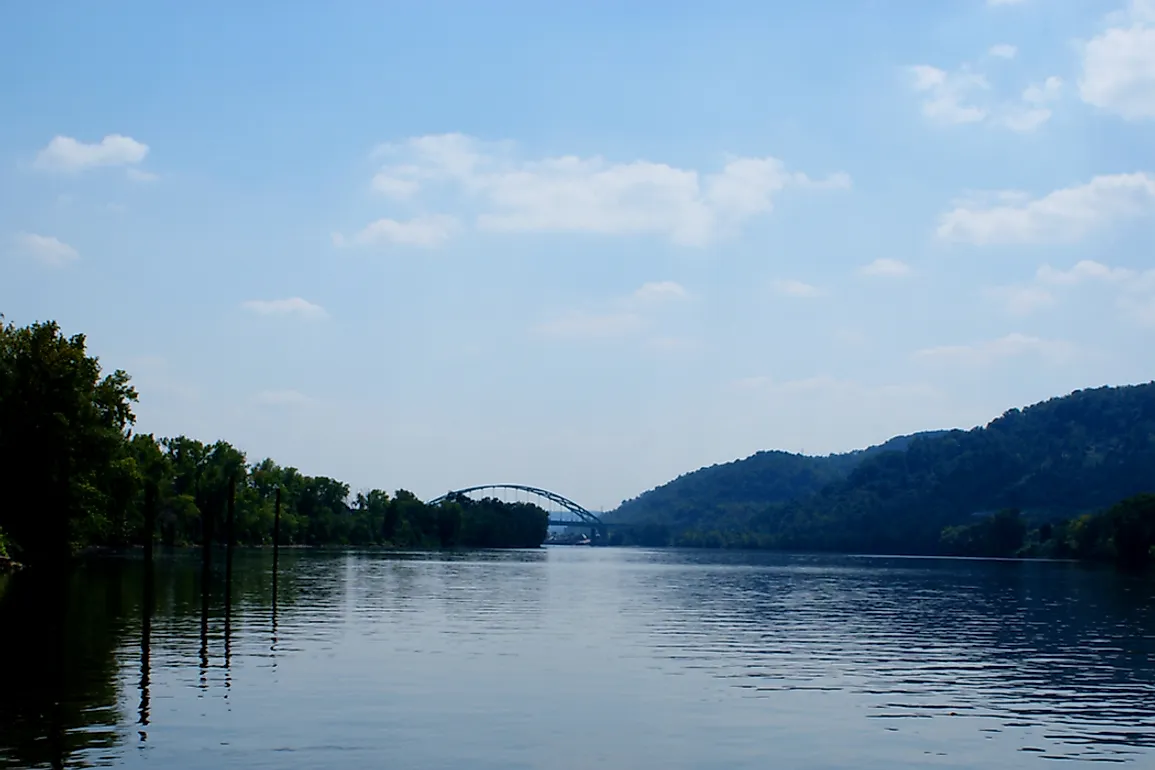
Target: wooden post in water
x=276 y=565
x=149 y=521
x=206 y=540
x=229 y=538
x=276 y=534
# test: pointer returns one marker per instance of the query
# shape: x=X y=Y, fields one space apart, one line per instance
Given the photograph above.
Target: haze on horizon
x=581 y=246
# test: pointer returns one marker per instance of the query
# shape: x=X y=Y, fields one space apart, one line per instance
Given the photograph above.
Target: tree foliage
x=65 y=467
x=75 y=475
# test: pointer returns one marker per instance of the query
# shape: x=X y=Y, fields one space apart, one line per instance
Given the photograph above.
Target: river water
x=576 y=658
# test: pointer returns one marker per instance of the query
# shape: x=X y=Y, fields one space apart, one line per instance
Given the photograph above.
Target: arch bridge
x=582 y=518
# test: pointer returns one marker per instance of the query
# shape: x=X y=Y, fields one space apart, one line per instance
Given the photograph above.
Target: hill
x=1054 y=460
x=1057 y=459
x=728 y=494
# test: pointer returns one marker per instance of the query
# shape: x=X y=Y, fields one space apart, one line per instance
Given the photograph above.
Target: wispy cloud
x=426 y=232
x=1014 y=345
x=946 y=95
x=1088 y=270
x=625 y=316
x=292 y=306
x=1021 y=300
x=885 y=267
x=659 y=291
x=793 y=288
x=46 y=248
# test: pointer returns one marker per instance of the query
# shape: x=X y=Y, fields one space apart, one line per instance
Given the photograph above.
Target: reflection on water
x=567 y=658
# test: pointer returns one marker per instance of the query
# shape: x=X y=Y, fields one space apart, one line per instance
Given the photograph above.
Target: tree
x=63 y=449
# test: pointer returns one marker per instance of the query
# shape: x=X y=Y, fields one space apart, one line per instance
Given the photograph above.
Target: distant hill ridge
x=729 y=491
x=1057 y=458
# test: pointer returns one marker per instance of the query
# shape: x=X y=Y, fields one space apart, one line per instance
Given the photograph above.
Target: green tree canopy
x=65 y=471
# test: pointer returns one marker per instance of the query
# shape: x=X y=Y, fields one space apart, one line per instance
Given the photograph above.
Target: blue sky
x=587 y=246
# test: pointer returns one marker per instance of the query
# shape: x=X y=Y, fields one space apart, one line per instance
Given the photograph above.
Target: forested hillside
x=1054 y=461
x=728 y=495
x=1057 y=459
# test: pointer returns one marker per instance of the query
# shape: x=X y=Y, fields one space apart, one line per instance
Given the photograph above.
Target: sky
x=587 y=246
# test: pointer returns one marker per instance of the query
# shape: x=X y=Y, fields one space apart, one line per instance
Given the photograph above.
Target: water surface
x=577 y=658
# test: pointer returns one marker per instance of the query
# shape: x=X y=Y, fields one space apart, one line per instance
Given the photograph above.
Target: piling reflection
x=146 y=609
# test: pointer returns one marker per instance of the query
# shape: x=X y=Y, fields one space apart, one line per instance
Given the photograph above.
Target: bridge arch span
x=586 y=517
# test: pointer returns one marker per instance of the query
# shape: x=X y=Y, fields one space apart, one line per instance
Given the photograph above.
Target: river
x=576 y=658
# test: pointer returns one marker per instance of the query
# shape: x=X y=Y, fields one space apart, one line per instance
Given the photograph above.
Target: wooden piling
x=206 y=538
x=276 y=534
x=149 y=521
x=229 y=540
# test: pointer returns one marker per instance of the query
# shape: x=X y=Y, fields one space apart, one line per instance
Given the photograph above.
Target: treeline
x=1123 y=534
x=74 y=475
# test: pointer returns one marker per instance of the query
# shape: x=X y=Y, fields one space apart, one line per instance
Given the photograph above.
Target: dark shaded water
x=576 y=658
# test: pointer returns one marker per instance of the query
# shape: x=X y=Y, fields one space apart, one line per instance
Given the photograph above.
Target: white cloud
x=1048 y=91
x=1003 y=51
x=395 y=187
x=956 y=97
x=1014 y=345
x=1062 y=216
x=891 y=268
x=1119 y=65
x=580 y=325
x=293 y=306
x=1089 y=270
x=1031 y=112
x=1025 y=119
x=281 y=398
x=46 y=248
x=793 y=288
x=1022 y=300
x=426 y=231
x=139 y=175
x=64 y=153
x=946 y=94
x=659 y=291
x=574 y=194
